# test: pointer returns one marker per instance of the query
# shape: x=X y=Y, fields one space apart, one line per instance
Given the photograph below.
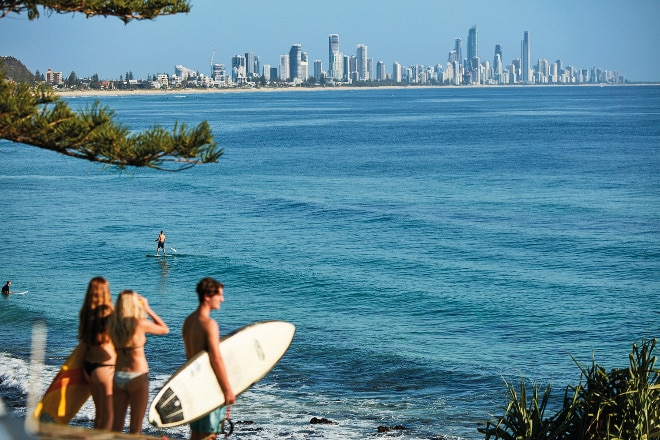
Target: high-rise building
x=396 y=72
x=303 y=71
x=472 y=46
x=542 y=71
x=249 y=64
x=498 y=51
x=335 y=69
x=381 y=71
x=284 y=67
x=497 y=68
x=54 y=77
x=362 y=63
x=318 y=70
x=472 y=63
x=516 y=70
x=458 y=48
x=295 y=61
x=238 y=68
x=525 y=54
x=219 y=72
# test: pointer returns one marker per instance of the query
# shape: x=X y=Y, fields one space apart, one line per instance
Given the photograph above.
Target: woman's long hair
x=95 y=313
x=128 y=312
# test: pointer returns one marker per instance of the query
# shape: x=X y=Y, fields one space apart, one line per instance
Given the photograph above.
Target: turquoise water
x=427 y=243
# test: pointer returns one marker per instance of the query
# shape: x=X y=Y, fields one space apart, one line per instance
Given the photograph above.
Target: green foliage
x=34 y=116
x=619 y=405
x=624 y=403
x=523 y=420
x=125 y=10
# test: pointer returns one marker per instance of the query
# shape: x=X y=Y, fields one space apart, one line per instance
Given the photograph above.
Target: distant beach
x=192 y=91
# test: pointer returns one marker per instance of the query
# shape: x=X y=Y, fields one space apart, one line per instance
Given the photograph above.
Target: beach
x=213 y=90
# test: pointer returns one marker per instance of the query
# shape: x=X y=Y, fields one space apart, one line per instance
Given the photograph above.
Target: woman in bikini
x=129 y=328
x=94 y=338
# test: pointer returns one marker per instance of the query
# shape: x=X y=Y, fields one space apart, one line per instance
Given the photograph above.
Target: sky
x=617 y=35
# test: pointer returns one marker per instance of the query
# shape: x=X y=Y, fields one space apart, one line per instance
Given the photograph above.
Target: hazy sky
x=618 y=35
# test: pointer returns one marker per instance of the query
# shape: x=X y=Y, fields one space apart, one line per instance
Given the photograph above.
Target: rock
x=391 y=428
x=321 y=421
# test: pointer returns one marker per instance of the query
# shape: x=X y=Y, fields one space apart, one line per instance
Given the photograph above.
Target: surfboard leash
x=227 y=422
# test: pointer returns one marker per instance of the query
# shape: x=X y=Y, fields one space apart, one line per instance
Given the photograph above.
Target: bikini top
x=125 y=350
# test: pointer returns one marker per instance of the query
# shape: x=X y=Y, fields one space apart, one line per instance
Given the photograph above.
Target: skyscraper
x=249 y=64
x=472 y=46
x=497 y=64
x=284 y=67
x=335 y=58
x=498 y=51
x=295 y=62
x=303 y=70
x=318 y=70
x=396 y=72
x=525 y=57
x=458 y=47
x=362 y=67
x=381 y=71
x=472 y=63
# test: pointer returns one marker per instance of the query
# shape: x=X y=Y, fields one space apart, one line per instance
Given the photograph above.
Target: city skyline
x=612 y=36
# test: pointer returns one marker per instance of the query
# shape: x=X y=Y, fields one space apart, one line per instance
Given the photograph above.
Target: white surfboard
x=16 y=293
x=249 y=353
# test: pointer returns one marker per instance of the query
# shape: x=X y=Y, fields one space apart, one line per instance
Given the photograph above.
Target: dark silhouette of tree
x=72 y=81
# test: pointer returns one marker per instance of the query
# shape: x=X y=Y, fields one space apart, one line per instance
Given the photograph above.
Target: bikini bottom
x=123 y=377
x=89 y=367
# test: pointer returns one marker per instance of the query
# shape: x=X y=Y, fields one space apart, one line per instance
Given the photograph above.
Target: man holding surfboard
x=202 y=333
x=6 y=288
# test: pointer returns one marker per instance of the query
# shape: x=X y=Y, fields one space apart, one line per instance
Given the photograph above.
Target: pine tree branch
x=35 y=116
x=125 y=10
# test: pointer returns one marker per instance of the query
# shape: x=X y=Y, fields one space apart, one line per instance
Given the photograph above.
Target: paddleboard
x=67 y=393
x=248 y=353
x=161 y=255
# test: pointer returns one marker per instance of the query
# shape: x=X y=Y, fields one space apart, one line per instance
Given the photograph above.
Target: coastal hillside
x=14 y=70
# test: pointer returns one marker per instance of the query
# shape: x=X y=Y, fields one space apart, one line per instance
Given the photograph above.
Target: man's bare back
x=197 y=331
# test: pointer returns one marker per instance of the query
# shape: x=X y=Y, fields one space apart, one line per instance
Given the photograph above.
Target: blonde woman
x=129 y=328
x=94 y=338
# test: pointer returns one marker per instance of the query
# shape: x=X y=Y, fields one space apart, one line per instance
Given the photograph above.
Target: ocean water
x=427 y=243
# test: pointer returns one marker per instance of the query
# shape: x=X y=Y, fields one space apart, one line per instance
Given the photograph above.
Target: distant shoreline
x=193 y=91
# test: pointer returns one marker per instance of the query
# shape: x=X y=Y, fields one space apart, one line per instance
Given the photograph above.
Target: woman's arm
x=156 y=326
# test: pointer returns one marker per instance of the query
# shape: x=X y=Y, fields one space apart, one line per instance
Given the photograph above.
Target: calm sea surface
x=427 y=243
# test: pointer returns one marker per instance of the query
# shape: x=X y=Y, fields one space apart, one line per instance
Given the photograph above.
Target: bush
x=622 y=404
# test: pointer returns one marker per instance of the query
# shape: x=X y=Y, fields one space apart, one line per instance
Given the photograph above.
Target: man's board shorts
x=210 y=423
x=161 y=244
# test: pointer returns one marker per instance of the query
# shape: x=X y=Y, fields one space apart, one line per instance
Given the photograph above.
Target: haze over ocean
x=427 y=243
